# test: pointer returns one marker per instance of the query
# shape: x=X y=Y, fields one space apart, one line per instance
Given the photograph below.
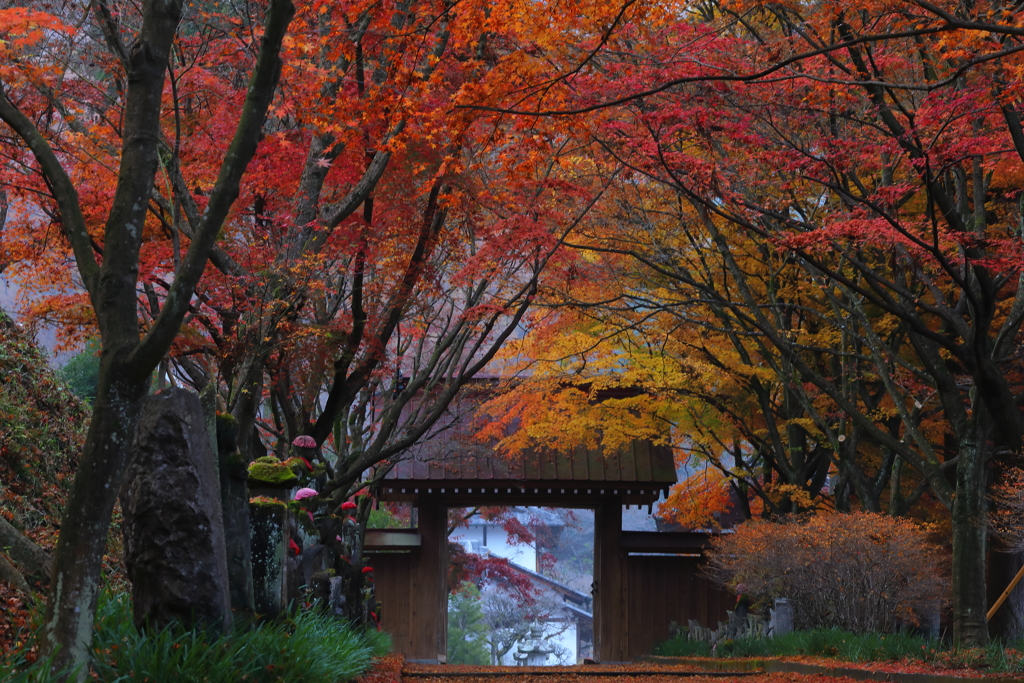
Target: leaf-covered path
x=394 y=669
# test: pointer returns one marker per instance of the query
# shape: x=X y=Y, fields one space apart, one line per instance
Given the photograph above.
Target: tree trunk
x=32 y=559
x=10 y=574
x=83 y=536
x=244 y=407
x=970 y=542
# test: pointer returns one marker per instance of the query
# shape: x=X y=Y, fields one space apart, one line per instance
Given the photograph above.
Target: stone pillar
x=208 y=400
x=234 y=498
x=930 y=625
x=268 y=519
x=782 y=618
x=173 y=532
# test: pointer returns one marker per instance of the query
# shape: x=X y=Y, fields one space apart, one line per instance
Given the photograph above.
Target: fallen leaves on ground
x=648 y=672
x=387 y=669
x=577 y=674
x=15 y=621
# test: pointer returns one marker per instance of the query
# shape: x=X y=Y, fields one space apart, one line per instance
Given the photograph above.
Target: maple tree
x=381 y=245
x=107 y=258
x=387 y=249
x=870 y=161
x=909 y=222
x=798 y=234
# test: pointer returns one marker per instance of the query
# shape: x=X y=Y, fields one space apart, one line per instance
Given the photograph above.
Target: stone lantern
x=534 y=652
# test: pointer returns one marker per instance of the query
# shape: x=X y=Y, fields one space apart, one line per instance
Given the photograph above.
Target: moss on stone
x=270 y=471
x=226 y=418
x=267 y=502
x=297 y=465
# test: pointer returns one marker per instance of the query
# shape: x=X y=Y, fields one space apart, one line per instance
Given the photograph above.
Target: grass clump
x=308 y=647
x=844 y=646
x=682 y=647
x=829 y=642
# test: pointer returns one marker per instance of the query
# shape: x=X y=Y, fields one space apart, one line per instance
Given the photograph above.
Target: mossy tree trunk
x=970 y=538
x=128 y=358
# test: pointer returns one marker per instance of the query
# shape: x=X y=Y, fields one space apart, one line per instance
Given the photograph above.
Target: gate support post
x=429 y=592
x=611 y=627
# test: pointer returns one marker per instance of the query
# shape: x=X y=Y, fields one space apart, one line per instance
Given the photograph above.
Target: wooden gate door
x=412 y=588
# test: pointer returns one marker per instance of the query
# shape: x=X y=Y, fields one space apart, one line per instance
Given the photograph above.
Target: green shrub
x=681 y=647
x=307 y=648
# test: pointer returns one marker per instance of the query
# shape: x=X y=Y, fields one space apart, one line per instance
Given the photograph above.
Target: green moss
x=227 y=419
x=227 y=433
x=297 y=465
x=270 y=471
x=265 y=502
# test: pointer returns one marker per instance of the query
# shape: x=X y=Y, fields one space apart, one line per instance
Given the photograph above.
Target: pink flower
x=305 y=493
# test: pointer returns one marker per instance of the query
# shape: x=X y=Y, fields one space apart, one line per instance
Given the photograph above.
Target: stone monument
x=173 y=531
x=535 y=651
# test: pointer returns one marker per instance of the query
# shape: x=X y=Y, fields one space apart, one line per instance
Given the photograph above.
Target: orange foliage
x=698 y=500
x=860 y=572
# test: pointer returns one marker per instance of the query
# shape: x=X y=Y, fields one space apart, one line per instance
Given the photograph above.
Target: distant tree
x=467 y=631
x=82 y=372
x=508 y=619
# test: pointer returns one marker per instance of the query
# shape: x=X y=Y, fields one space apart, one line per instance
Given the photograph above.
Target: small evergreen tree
x=82 y=372
x=467 y=632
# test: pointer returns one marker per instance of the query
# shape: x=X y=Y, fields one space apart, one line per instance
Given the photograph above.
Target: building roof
x=639 y=472
x=453 y=461
x=566 y=592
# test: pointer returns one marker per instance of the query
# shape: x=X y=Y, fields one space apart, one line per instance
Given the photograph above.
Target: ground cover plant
x=830 y=642
x=308 y=647
x=42 y=427
x=845 y=646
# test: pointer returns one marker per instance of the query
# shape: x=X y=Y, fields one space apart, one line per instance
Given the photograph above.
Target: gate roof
x=637 y=473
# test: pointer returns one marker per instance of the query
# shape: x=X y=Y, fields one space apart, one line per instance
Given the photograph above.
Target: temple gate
x=642 y=580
